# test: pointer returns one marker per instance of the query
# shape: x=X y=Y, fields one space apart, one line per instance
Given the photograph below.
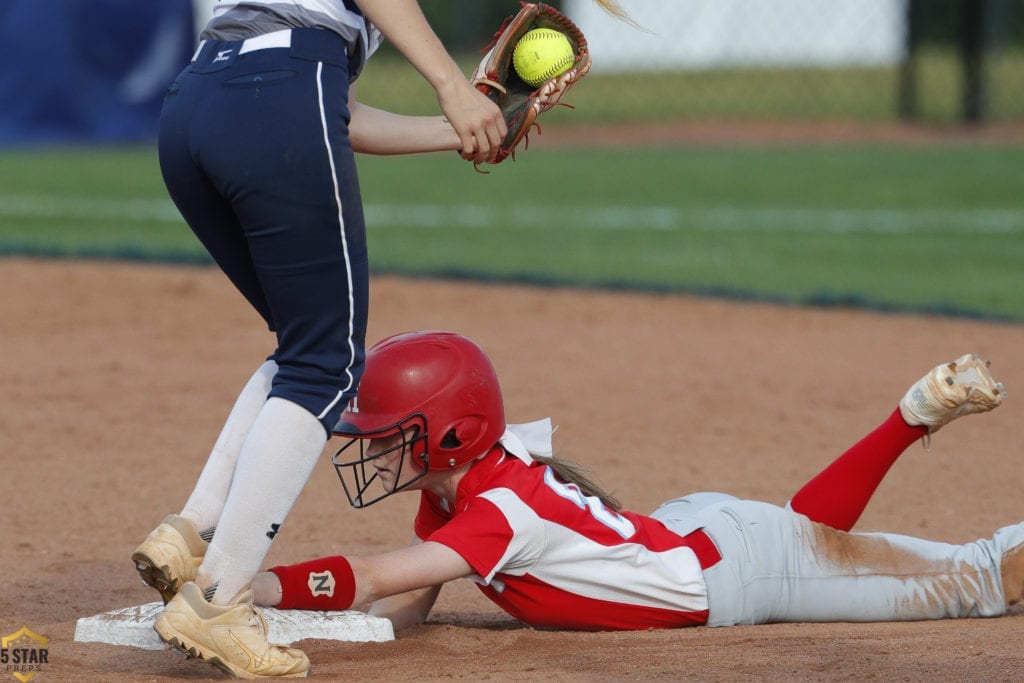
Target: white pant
x=779 y=566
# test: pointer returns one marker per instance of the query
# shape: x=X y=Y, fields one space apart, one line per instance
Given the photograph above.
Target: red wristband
x=324 y=584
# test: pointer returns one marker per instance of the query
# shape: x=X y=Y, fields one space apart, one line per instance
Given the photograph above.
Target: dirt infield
x=117 y=377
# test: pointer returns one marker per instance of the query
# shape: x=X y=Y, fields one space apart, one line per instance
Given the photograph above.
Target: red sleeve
x=431 y=516
x=480 y=534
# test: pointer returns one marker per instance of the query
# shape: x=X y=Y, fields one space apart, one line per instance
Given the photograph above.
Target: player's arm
x=409 y=608
x=476 y=120
x=375 y=131
x=334 y=583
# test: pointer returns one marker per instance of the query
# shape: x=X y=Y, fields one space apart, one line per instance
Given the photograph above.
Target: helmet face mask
x=439 y=391
x=359 y=473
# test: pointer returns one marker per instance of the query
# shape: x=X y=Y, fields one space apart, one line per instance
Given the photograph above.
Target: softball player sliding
x=545 y=543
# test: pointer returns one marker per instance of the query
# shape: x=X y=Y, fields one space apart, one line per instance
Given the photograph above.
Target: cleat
x=170 y=556
x=951 y=390
x=1011 y=571
x=231 y=637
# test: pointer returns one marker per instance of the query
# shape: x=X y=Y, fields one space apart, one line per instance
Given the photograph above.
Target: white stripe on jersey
x=333 y=10
x=565 y=559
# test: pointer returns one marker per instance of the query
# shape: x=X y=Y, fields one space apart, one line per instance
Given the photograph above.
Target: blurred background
x=864 y=150
x=102 y=69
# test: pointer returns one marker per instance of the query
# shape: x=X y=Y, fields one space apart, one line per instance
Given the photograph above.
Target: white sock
x=278 y=456
x=205 y=504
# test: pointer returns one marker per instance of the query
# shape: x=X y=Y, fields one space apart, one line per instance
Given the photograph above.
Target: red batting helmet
x=438 y=390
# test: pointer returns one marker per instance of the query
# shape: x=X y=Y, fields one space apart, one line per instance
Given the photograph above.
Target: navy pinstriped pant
x=254 y=151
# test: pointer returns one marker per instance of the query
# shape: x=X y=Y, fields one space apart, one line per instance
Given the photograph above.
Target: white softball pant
x=779 y=566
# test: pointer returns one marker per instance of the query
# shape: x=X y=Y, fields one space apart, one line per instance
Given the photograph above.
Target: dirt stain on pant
x=946 y=587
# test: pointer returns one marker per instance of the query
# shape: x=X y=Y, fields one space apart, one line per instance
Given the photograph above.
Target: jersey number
x=598 y=510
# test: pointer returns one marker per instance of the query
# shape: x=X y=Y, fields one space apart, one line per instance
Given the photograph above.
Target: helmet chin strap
x=529 y=439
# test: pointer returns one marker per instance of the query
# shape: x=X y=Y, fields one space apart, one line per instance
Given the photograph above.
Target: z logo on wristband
x=321 y=584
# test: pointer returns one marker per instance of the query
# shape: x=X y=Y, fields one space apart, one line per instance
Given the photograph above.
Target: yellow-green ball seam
x=556 y=69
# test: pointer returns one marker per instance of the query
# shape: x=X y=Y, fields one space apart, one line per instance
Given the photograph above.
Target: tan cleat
x=170 y=556
x=232 y=637
x=1011 y=571
x=949 y=391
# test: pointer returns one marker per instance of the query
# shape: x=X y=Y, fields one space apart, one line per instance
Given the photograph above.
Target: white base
x=133 y=626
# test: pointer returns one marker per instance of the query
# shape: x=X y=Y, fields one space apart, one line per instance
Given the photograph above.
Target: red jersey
x=550 y=556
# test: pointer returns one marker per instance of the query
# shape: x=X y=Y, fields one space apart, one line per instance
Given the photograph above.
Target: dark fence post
x=972 y=55
x=906 y=97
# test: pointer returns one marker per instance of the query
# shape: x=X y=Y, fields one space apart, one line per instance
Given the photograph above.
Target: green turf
x=937 y=228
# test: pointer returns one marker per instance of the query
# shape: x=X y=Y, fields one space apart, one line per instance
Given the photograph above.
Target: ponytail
x=573 y=473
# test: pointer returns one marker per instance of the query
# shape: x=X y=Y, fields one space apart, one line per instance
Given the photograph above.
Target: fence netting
x=941 y=61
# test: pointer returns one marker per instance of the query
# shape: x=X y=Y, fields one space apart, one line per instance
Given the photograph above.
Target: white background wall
x=697 y=34
x=203 y=10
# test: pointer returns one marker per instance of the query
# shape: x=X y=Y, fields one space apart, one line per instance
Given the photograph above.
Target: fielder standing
x=257 y=142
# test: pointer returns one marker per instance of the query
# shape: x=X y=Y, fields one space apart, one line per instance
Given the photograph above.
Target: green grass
x=937 y=228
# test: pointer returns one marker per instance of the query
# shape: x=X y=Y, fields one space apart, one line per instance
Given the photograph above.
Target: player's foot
x=949 y=391
x=232 y=637
x=170 y=556
x=1011 y=571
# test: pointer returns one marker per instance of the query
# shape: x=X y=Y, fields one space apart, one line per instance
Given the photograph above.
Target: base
x=133 y=626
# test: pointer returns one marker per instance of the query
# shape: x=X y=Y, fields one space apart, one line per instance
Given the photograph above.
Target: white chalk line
x=608 y=218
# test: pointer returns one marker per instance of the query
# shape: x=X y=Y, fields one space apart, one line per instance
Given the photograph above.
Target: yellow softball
x=541 y=54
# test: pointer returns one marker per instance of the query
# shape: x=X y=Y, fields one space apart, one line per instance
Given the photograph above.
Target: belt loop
x=199 y=49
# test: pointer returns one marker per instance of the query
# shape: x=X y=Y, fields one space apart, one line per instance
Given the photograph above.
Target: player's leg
x=305 y=234
x=781 y=567
x=170 y=556
x=206 y=503
x=172 y=553
x=299 y=205
x=838 y=495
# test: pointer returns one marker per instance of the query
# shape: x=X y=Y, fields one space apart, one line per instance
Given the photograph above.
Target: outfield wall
x=91 y=70
x=700 y=34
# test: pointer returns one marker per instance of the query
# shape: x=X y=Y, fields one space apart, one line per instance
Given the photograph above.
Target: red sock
x=839 y=494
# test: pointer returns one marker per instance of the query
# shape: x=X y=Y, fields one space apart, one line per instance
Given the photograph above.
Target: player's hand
x=476 y=119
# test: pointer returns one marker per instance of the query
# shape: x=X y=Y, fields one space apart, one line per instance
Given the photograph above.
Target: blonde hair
x=573 y=473
x=612 y=7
